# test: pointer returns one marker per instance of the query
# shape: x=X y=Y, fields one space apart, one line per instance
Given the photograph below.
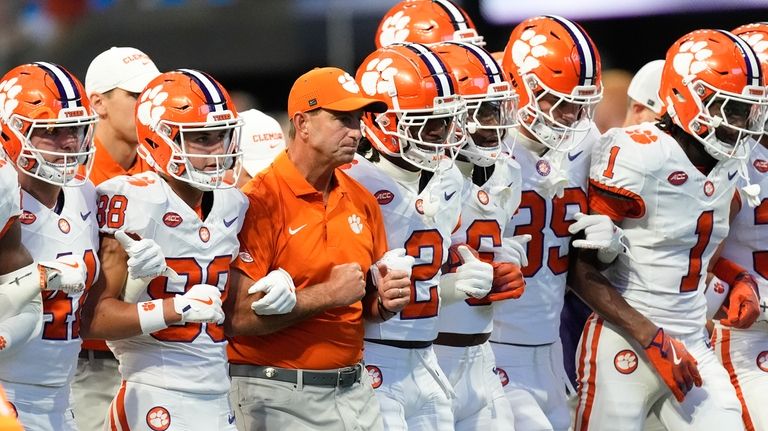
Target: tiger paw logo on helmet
x=393 y=29
x=378 y=77
x=8 y=92
x=348 y=83
x=527 y=49
x=691 y=58
x=757 y=43
x=150 y=110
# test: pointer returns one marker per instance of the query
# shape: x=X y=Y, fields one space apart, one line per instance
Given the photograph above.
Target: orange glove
x=676 y=367
x=742 y=304
x=508 y=281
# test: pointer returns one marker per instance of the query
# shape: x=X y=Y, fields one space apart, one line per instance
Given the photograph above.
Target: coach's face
x=334 y=134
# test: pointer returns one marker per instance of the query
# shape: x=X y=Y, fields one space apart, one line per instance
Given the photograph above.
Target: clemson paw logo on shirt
x=150 y=106
x=760 y=46
x=642 y=136
x=691 y=58
x=158 y=418
x=355 y=224
x=393 y=29
x=503 y=377
x=8 y=92
x=762 y=361
x=3 y=343
x=625 y=361
x=527 y=49
x=375 y=374
x=378 y=77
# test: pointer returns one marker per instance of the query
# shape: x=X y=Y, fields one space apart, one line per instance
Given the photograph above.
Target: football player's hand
x=508 y=282
x=676 y=367
x=346 y=284
x=279 y=293
x=201 y=303
x=599 y=234
x=394 y=287
x=743 y=303
x=145 y=257
x=513 y=250
x=473 y=277
x=394 y=259
x=67 y=273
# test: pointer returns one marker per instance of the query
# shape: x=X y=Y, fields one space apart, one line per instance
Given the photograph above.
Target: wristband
x=151 y=316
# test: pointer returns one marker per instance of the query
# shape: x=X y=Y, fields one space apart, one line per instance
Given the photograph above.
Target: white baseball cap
x=261 y=140
x=644 y=88
x=123 y=67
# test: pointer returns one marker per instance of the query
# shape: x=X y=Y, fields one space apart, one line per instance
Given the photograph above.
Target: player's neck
x=191 y=196
x=696 y=153
x=123 y=152
x=408 y=179
x=45 y=193
x=528 y=142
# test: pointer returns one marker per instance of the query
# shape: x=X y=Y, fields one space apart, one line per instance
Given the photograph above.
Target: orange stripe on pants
x=725 y=352
x=594 y=326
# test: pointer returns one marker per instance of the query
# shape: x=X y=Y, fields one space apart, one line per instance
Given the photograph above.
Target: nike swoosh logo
x=449 y=196
x=573 y=157
x=675 y=359
x=208 y=302
x=229 y=223
x=732 y=174
x=71 y=265
x=85 y=216
x=295 y=231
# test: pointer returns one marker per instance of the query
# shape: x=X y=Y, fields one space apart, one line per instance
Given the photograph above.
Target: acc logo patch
x=204 y=233
x=375 y=374
x=27 y=217
x=761 y=166
x=158 y=418
x=677 y=178
x=762 y=361
x=543 y=168
x=245 y=257
x=625 y=361
x=172 y=219
x=63 y=225
x=384 y=196
x=503 y=377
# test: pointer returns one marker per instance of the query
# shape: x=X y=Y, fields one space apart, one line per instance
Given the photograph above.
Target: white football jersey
x=534 y=318
x=10 y=193
x=190 y=357
x=50 y=359
x=747 y=241
x=484 y=215
x=681 y=218
x=426 y=239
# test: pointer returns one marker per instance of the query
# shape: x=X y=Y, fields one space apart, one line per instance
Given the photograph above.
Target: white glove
x=513 y=250
x=280 y=293
x=201 y=303
x=474 y=277
x=67 y=273
x=145 y=257
x=600 y=234
x=395 y=259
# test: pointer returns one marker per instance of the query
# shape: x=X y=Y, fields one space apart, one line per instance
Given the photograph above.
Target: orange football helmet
x=426 y=119
x=45 y=101
x=756 y=35
x=187 y=101
x=491 y=102
x=555 y=68
x=426 y=21
x=713 y=88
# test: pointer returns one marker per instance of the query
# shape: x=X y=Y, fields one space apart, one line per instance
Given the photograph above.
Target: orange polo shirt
x=104 y=168
x=288 y=226
x=8 y=420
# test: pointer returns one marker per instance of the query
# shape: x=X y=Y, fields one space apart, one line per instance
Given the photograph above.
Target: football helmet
x=45 y=104
x=187 y=101
x=425 y=122
x=756 y=35
x=713 y=88
x=555 y=68
x=491 y=102
x=426 y=21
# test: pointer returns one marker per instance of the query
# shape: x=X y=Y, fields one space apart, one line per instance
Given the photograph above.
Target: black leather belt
x=341 y=377
x=96 y=354
x=402 y=344
x=461 y=340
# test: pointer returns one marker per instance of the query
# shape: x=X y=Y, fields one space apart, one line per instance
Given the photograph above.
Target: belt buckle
x=348 y=376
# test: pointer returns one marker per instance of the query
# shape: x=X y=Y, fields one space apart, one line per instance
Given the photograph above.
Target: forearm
x=22 y=327
x=113 y=319
x=17 y=289
x=595 y=290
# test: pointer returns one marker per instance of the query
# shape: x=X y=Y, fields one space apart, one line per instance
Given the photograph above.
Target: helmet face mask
x=189 y=130
x=490 y=115
x=47 y=124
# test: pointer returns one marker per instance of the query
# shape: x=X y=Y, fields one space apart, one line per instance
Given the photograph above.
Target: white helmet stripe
x=64 y=83
x=750 y=58
x=588 y=58
x=456 y=14
x=210 y=89
x=441 y=75
x=491 y=66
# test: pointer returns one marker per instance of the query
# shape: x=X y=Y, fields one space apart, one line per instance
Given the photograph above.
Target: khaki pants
x=95 y=383
x=262 y=404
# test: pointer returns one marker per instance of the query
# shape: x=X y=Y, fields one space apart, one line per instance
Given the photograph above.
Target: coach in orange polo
x=312 y=226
